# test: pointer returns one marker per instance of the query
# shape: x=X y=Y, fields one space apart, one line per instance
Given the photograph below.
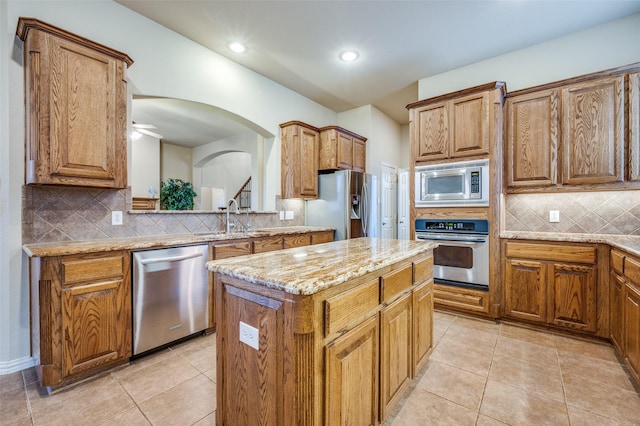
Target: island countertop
x=310 y=269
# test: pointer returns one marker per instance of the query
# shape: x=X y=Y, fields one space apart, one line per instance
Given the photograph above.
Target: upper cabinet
x=456 y=125
x=341 y=149
x=571 y=134
x=76 y=108
x=299 y=160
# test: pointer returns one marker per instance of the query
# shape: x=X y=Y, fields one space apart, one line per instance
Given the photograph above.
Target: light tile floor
x=480 y=373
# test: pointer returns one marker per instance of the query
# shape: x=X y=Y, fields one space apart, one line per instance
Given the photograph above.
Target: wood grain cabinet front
x=76 y=107
x=341 y=149
x=552 y=284
x=625 y=308
x=299 y=160
x=81 y=311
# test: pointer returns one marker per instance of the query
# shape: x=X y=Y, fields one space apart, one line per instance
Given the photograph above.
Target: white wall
x=145 y=154
x=176 y=162
x=599 y=48
x=228 y=171
x=165 y=64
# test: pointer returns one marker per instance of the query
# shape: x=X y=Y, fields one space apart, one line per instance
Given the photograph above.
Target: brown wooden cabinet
x=616 y=310
x=341 y=149
x=625 y=308
x=81 y=315
x=299 y=160
x=76 y=108
x=352 y=376
x=572 y=134
x=551 y=283
x=631 y=334
x=593 y=131
x=322 y=237
x=263 y=245
x=456 y=125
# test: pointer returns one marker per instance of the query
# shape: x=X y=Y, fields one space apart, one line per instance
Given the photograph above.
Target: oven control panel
x=458 y=226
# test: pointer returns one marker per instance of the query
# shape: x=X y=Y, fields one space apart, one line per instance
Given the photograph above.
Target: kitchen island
x=326 y=334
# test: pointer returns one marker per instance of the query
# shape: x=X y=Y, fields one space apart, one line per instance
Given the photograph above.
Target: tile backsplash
x=607 y=212
x=51 y=213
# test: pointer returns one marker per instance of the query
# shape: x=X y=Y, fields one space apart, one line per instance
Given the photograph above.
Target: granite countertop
x=628 y=243
x=63 y=248
x=310 y=269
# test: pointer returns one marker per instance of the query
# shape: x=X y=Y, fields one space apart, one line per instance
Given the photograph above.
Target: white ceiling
x=296 y=43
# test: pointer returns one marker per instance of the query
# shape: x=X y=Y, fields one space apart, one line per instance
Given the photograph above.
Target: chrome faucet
x=229 y=224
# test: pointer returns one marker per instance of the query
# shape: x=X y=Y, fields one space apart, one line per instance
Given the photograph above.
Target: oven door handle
x=455 y=240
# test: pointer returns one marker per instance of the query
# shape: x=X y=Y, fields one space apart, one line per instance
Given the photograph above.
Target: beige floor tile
x=29 y=375
x=477 y=324
x=11 y=382
x=444 y=318
x=211 y=374
x=488 y=421
x=13 y=403
x=16 y=421
x=517 y=407
x=203 y=358
x=474 y=359
x=586 y=348
x=534 y=378
x=425 y=408
x=146 y=361
x=472 y=336
x=130 y=417
x=525 y=351
x=602 y=398
x=525 y=334
x=611 y=373
x=210 y=420
x=183 y=404
x=157 y=378
x=98 y=403
x=456 y=385
x=585 y=418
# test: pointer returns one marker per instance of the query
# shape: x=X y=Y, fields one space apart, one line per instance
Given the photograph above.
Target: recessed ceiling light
x=237 y=47
x=349 y=55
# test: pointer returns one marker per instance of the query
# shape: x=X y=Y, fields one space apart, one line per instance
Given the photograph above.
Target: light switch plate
x=116 y=217
x=249 y=335
x=281 y=215
x=554 y=215
x=288 y=215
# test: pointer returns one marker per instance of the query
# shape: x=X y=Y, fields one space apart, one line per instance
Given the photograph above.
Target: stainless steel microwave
x=458 y=184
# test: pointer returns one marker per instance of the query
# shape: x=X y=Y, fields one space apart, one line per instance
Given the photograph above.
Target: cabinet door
x=470 y=125
x=264 y=245
x=525 y=290
x=352 y=377
x=616 y=305
x=532 y=139
x=359 y=155
x=572 y=296
x=345 y=151
x=632 y=328
x=422 y=325
x=300 y=240
x=96 y=325
x=593 y=132
x=395 y=352
x=299 y=162
x=634 y=126
x=432 y=132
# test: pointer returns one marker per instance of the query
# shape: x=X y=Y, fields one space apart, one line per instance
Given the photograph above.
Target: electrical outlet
x=116 y=217
x=554 y=215
x=281 y=215
x=288 y=215
x=249 y=335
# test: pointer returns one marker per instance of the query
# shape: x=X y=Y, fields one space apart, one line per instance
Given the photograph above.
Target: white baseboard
x=14 y=365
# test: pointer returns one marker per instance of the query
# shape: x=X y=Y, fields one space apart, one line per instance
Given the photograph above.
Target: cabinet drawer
x=340 y=310
x=322 y=237
x=396 y=281
x=267 y=244
x=422 y=269
x=297 y=241
x=83 y=268
x=223 y=251
x=617 y=262
x=461 y=298
x=632 y=269
x=552 y=252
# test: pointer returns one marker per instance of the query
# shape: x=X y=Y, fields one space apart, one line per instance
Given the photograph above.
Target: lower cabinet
x=616 y=309
x=632 y=328
x=551 y=283
x=422 y=301
x=81 y=315
x=352 y=376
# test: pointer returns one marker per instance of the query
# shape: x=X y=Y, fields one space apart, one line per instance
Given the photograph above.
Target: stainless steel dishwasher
x=170 y=295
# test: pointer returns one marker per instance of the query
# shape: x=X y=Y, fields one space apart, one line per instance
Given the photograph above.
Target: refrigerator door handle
x=365 y=210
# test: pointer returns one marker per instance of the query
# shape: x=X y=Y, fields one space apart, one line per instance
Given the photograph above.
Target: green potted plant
x=176 y=194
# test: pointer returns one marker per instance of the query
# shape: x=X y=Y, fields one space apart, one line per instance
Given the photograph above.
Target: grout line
x=26 y=397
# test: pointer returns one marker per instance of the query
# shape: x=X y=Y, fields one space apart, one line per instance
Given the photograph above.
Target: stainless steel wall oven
x=462 y=256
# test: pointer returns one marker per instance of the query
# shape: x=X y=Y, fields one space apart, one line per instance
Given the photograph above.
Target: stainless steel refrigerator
x=348 y=202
